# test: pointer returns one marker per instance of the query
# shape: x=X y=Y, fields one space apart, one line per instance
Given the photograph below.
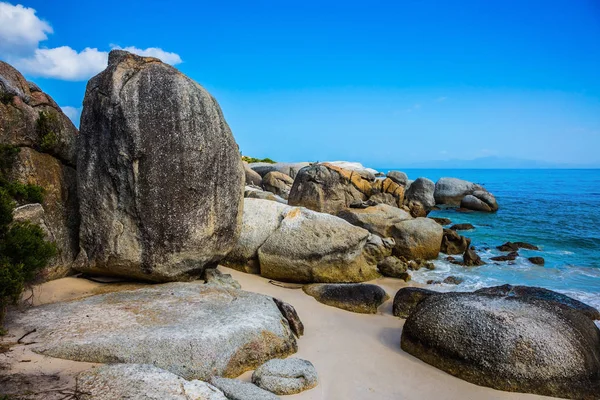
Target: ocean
x=555 y=209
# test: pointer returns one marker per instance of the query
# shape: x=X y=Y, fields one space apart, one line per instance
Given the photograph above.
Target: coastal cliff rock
x=316 y=247
x=507 y=343
x=190 y=329
x=141 y=381
x=159 y=173
x=278 y=183
x=45 y=136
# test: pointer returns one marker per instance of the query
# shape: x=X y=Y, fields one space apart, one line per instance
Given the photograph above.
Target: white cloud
x=165 y=56
x=20 y=29
x=73 y=113
x=63 y=63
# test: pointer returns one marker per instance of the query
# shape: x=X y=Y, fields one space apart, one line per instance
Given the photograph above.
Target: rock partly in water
x=140 y=382
x=235 y=389
x=537 y=260
x=312 y=247
x=507 y=343
x=515 y=246
x=472 y=259
x=480 y=200
x=378 y=219
x=419 y=238
x=289 y=312
x=356 y=297
x=408 y=298
x=278 y=183
x=190 y=329
x=531 y=292
x=451 y=191
x=453 y=243
x=285 y=377
x=462 y=227
x=508 y=257
x=442 y=221
x=146 y=214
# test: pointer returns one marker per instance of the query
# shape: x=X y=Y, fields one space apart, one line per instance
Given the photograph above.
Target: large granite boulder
x=190 y=329
x=312 y=247
x=236 y=389
x=159 y=173
x=407 y=299
x=361 y=298
x=366 y=173
x=378 y=219
x=451 y=191
x=278 y=183
x=251 y=192
x=507 y=343
x=418 y=238
x=140 y=382
x=421 y=191
x=45 y=137
x=252 y=177
x=399 y=177
x=261 y=218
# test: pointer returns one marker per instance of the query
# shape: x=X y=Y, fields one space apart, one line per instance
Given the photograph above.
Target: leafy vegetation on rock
x=23 y=249
x=48 y=126
x=256 y=160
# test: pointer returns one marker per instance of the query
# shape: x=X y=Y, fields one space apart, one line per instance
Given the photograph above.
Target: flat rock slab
x=361 y=298
x=141 y=382
x=239 y=390
x=190 y=329
x=283 y=377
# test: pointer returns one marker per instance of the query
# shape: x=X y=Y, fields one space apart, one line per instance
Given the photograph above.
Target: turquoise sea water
x=557 y=210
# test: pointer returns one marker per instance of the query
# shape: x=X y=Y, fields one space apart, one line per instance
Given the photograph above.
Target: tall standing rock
x=159 y=174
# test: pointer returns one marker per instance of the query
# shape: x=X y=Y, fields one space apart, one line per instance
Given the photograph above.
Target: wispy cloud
x=21 y=32
x=440 y=99
x=73 y=113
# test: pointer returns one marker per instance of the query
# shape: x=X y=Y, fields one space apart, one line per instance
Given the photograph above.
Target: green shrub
x=8 y=155
x=255 y=160
x=48 y=126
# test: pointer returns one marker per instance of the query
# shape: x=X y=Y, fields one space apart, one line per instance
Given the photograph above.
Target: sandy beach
x=357 y=356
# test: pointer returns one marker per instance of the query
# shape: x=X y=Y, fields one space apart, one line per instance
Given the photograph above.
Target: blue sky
x=386 y=83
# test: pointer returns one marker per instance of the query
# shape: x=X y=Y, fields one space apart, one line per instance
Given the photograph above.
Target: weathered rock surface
x=251 y=192
x=289 y=312
x=315 y=247
x=480 y=200
x=261 y=218
x=235 y=389
x=453 y=243
x=378 y=219
x=290 y=169
x=510 y=246
x=471 y=258
x=141 y=382
x=537 y=260
x=147 y=214
x=253 y=178
x=399 y=177
x=32 y=121
x=407 y=299
x=356 y=297
x=418 y=238
x=190 y=329
x=462 y=227
x=507 y=343
x=531 y=292
x=366 y=173
x=214 y=277
x=284 y=377
x=451 y=191
x=421 y=191
x=508 y=257
x=442 y=221
x=278 y=183
x=394 y=268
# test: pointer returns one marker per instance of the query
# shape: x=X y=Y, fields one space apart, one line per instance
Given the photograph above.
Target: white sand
x=357 y=356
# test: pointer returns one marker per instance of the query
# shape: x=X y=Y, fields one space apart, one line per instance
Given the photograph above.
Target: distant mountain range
x=494 y=162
